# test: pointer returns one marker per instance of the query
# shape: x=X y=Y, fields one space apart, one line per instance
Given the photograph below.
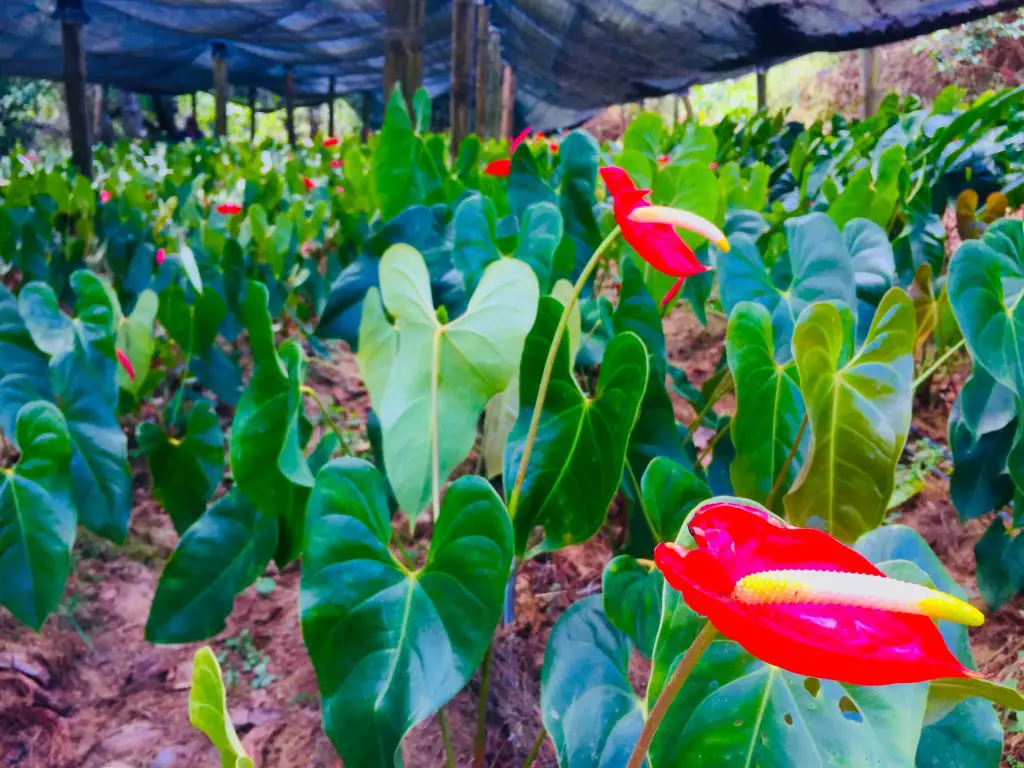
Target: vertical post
x=869 y=80
x=493 y=111
x=403 y=58
x=252 y=113
x=313 y=112
x=483 y=24
x=195 y=106
x=331 y=98
x=508 y=101
x=72 y=17
x=220 y=88
x=762 y=89
x=289 y=104
x=688 y=104
x=462 y=38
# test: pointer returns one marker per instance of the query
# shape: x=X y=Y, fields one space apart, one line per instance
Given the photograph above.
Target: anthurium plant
x=506 y=310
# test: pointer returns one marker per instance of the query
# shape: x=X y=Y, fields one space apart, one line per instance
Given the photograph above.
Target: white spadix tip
x=674 y=217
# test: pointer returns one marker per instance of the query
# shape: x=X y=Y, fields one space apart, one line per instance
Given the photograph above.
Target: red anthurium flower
x=339 y=190
x=713 y=166
x=523 y=136
x=501 y=167
x=161 y=254
x=656 y=241
x=663 y=159
x=335 y=163
x=331 y=141
x=554 y=147
x=801 y=600
x=229 y=209
x=122 y=358
x=105 y=196
x=309 y=183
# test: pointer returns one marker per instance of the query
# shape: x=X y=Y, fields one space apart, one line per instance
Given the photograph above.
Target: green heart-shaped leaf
x=443 y=373
x=632 y=600
x=208 y=710
x=18 y=353
x=186 y=471
x=822 y=271
x=859 y=414
x=37 y=517
x=769 y=409
x=540 y=233
x=670 y=492
x=390 y=645
x=580 y=444
x=591 y=713
x=265 y=444
x=221 y=554
x=473 y=227
x=986 y=283
x=1000 y=564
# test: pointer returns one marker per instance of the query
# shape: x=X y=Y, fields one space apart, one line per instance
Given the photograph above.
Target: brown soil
x=90 y=692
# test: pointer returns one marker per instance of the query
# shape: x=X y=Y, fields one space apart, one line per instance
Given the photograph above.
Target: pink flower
x=336 y=163
x=122 y=358
x=713 y=166
x=331 y=141
x=105 y=196
x=340 y=190
x=229 y=209
x=161 y=254
x=310 y=184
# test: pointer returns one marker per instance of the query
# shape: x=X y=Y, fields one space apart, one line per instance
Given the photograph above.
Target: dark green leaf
x=581 y=442
x=587 y=703
x=37 y=517
x=473 y=248
x=670 y=492
x=632 y=600
x=221 y=554
x=391 y=646
x=769 y=409
x=1000 y=564
x=540 y=233
x=394 y=158
x=187 y=470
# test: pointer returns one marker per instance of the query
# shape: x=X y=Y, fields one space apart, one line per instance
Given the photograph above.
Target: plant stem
x=435 y=448
x=668 y=694
x=549 y=367
x=780 y=478
x=449 y=753
x=938 y=364
x=535 y=749
x=310 y=392
x=711 y=445
x=719 y=392
x=481 y=708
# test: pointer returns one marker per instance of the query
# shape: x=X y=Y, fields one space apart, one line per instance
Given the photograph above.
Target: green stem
x=446 y=737
x=780 y=478
x=312 y=393
x=938 y=364
x=719 y=392
x=549 y=367
x=535 y=749
x=668 y=694
x=481 y=708
x=711 y=445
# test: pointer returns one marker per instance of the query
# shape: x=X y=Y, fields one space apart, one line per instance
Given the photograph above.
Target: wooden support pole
x=331 y=98
x=195 y=106
x=220 y=89
x=313 y=113
x=72 y=17
x=494 y=71
x=762 y=89
x=289 y=104
x=462 y=46
x=403 y=56
x=483 y=24
x=869 y=81
x=252 y=113
x=508 y=102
